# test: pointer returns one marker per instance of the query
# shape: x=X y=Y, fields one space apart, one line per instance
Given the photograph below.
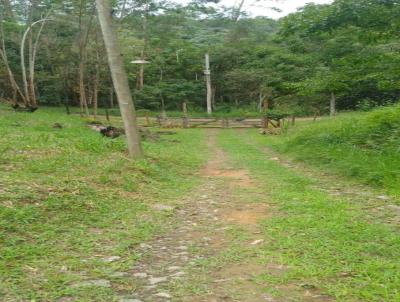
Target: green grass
x=69 y=197
x=363 y=146
x=329 y=244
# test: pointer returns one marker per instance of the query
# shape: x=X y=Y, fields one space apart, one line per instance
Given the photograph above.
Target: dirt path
x=208 y=253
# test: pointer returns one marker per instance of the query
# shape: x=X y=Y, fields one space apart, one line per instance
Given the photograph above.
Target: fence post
x=185 y=116
x=293 y=120
x=147 y=119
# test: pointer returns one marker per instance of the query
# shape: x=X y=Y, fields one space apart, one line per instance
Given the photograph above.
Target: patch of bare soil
x=246 y=215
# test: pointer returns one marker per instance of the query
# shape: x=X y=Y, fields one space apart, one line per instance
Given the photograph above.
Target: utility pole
x=207 y=73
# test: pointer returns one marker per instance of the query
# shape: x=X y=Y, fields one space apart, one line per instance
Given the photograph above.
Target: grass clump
x=365 y=146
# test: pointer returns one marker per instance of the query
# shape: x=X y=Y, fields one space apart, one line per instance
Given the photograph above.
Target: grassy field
x=327 y=244
x=363 y=146
x=74 y=207
x=70 y=198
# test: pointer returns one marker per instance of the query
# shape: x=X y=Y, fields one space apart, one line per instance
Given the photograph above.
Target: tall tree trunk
x=120 y=78
x=237 y=11
x=260 y=102
x=32 y=58
x=332 y=105
x=11 y=77
x=83 y=40
x=213 y=93
x=96 y=88
x=82 y=91
x=112 y=96
x=207 y=73
x=27 y=90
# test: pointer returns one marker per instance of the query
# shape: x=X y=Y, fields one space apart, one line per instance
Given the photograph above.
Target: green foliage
x=349 y=48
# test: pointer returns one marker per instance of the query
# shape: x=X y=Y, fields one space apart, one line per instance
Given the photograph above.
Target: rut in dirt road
x=199 y=257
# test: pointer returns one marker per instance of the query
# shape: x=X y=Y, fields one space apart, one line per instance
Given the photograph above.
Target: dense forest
x=346 y=52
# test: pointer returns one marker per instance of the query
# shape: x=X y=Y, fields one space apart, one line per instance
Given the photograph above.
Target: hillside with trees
x=345 y=52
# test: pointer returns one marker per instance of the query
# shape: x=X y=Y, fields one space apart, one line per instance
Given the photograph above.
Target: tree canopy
x=349 y=48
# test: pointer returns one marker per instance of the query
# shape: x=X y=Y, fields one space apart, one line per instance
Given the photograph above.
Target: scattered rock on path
x=173 y=268
x=140 y=275
x=111 y=258
x=119 y=274
x=163 y=295
x=99 y=282
x=156 y=280
x=256 y=242
x=162 y=207
x=382 y=197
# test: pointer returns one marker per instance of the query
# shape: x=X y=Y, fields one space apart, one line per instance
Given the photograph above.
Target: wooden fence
x=208 y=122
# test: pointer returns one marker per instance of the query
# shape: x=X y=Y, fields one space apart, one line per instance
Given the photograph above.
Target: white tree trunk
x=23 y=68
x=120 y=78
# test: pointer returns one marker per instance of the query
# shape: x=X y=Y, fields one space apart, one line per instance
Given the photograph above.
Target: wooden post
x=293 y=120
x=264 y=122
x=225 y=122
x=147 y=119
x=265 y=117
x=185 y=116
x=207 y=73
x=163 y=118
x=107 y=115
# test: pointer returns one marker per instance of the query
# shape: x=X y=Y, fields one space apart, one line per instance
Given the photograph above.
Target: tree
x=119 y=77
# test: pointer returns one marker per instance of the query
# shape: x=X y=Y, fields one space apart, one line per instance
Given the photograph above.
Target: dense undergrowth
x=69 y=197
x=365 y=146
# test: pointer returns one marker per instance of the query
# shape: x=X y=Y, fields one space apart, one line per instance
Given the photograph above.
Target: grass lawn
x=70 y=198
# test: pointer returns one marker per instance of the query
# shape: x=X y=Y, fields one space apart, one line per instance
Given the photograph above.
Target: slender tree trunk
x=82 y=92
x=11 y=77
x=333 y=105
x=95 y=92
x=260 y=102
x=213 y=92
x=27 y=90
x=237 y=11
x=32 y=58
x=120 y=78
x=208 y=79
x=96 y=80
x=112 y=96
x=83 y=40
